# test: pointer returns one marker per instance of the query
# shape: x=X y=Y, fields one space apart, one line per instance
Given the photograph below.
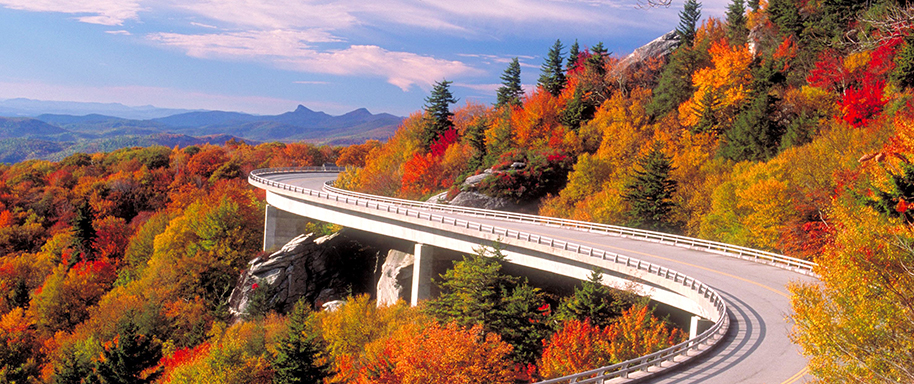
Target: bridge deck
x=757 y=348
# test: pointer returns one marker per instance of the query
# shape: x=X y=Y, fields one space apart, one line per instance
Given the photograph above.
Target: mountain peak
x=303 y=109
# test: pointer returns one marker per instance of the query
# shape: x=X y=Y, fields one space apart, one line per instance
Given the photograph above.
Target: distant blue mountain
x=205 y=119
x=49 y=135
x=31 y=108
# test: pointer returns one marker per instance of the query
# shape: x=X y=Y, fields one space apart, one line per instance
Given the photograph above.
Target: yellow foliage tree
x=720 y=89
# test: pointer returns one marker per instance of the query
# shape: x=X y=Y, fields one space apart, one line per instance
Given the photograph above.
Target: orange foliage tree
x=433 y=353
x=580 y=346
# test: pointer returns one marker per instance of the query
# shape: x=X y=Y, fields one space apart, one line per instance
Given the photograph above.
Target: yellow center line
x=797 y=376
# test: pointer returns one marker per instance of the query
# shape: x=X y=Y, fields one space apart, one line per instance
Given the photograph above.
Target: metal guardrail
x=794 y=264
x=623 y=369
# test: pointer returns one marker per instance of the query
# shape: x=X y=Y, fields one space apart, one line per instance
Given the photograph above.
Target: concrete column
x=693 y=327
x=269 y=227
x=422 y=273
x=699 y=325
x=280 y=226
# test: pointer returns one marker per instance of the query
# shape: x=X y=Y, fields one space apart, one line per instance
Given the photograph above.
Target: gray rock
x=316 y=268
x=660 y=47
x=478 y=200
x=472 y=181
x=389 y=284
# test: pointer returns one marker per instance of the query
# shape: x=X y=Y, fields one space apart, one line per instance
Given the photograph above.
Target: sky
x=268 y=56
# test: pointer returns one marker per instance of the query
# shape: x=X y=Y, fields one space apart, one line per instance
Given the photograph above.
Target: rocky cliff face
x=396 y=273
x=319 y=269
x=660 y=47
x=323 y=269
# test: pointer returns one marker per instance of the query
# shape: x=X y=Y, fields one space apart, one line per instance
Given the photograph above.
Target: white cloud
x=119 y=32
x=402 y=69
x=250 y=45
x=290 y=50
x=104 y=12
x=273 y=14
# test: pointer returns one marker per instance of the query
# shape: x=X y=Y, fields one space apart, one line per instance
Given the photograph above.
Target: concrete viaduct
x=739 y=331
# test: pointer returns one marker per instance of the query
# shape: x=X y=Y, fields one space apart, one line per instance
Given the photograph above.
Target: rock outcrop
x=660 y=47
x=469 y=197
x=319 y=269
x=393 y=278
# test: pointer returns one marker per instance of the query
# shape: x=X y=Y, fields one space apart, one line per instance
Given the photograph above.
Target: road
x=756 y=349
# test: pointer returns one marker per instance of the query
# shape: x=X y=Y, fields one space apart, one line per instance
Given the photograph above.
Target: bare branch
x=647 y=4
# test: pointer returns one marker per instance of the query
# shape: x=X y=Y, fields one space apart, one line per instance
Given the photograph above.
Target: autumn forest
x=785 y=126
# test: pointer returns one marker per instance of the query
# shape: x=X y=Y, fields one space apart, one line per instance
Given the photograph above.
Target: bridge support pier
x=422 y=273
x=280 y=226
x=699 y=325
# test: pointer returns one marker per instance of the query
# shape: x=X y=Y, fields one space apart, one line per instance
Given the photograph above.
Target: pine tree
x=475 y=291
x=597 y=60
x=594 y=301
x=650 y=192
x=785 y=14
x=753 y=135
x=438 y=113
x=476 y=136
x=736 y=23
x=298 y=354
x=573 y=54
x=675 y=85
x=552 y=79
x=84 y=235
x=688 y=22
x=510 y=92
x=129 y=355
x=576 y=110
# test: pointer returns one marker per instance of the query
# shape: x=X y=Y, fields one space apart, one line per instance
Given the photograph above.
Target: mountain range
x=53 y=136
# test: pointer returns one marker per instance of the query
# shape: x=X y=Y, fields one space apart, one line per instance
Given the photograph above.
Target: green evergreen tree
x=753 y=135
x=650 y=192
x=577 y=110
x=573 y=54
x=688 y=22
x=84 y=235
x=127 y=358
x=438 y=113
x=708 y=121
x=594 y=301
x=903 y=75
x=785 y=14
x=737 y=31
x=475 y=291
x=597 y=60
x=552 y=79
x=298 y=355
x=753 y=5
x=476 y=136
x=510 y=92
x=675 y=85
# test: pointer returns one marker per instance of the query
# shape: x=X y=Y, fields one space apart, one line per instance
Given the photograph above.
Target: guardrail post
x=422 y=273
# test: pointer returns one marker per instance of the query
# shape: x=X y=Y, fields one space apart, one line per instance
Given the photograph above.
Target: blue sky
x=268 y=56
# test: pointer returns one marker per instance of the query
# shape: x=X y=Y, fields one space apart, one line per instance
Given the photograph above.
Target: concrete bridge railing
x=707 y=298
x=770 y=258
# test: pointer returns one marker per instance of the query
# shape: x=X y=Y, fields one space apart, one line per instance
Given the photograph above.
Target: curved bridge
x=739 y=292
